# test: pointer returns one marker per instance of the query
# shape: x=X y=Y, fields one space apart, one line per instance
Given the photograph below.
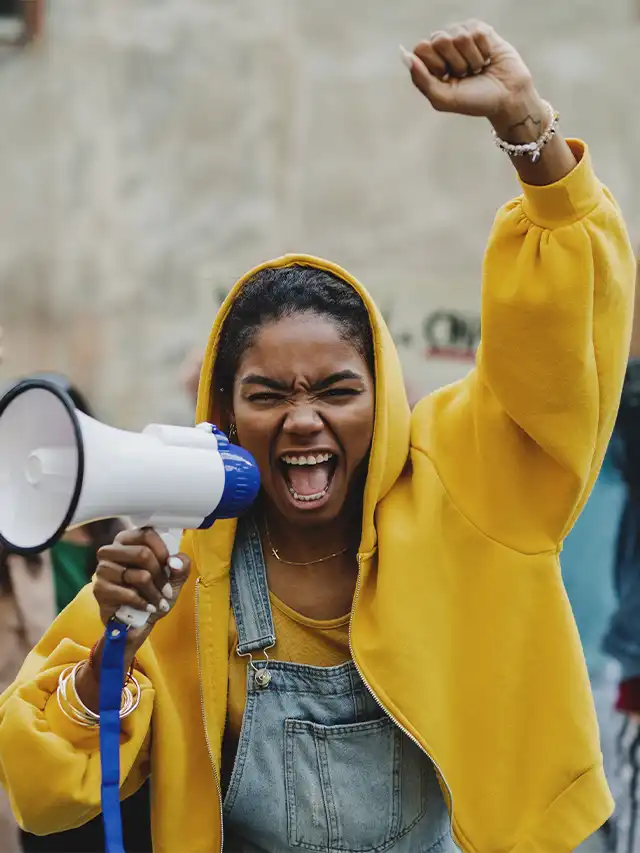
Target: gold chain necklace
x=291 y=562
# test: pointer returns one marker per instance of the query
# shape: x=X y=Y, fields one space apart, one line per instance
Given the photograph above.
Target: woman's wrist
x=95 y=656
x=88 y=678
x=78 y=694
x=523 y=120
x=87 y=686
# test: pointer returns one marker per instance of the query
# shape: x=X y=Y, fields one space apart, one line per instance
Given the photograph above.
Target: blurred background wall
x=151 y=152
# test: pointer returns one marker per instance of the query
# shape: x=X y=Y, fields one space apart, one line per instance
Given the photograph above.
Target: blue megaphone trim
x=241 y=481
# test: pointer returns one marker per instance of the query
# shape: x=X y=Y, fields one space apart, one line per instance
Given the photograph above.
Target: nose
x=303 y=420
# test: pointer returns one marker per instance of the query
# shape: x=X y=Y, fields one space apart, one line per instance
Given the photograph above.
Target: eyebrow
x=257 y=379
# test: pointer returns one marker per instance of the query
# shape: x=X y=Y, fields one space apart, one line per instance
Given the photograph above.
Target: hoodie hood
x=390 y=446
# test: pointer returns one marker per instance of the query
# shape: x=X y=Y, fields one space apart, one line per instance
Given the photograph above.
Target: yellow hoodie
x=460 y=624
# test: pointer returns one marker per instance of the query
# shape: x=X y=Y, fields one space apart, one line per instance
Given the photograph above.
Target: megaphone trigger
x=171 y=539
x=175 y=564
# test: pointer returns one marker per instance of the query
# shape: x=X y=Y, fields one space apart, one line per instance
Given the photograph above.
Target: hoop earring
x=233 y=433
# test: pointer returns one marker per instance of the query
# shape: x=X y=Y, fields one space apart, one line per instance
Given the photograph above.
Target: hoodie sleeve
x=519 y=442
x=49 y=765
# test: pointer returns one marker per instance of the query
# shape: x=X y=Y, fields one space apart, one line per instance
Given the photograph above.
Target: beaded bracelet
x=531 y=149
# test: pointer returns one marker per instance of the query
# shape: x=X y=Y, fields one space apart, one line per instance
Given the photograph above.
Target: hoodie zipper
x=388 y=713
x=204 y=719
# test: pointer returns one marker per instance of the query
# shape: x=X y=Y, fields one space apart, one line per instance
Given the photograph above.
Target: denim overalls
x=319 y=765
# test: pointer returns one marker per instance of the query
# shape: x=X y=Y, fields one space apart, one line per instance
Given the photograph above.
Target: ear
x=220 y=405
x=228 y=425
x=227 y=414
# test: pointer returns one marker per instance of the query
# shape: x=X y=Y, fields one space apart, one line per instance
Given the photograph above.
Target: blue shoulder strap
x=111 y=681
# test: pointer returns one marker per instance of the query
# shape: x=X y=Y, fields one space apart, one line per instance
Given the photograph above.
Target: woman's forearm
x=87 y=680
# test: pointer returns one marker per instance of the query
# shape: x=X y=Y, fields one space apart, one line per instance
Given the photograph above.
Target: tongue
x=309 y=479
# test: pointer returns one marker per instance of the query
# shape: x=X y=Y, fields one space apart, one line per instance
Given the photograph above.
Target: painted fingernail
x=175 y=563
x=406 y=57
x=446 y=78
x=487 y=62
x=479 y=70
x=151 y=608
x=167 y=591
x=164 y=605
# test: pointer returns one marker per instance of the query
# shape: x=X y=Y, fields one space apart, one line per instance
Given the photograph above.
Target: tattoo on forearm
x=527 y=121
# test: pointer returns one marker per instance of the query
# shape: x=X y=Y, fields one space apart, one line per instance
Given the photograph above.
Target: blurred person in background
x=622 y=641
x=33 y=590
x=587 y=560
x=381 y=655
x=190 y=374
x=588 y=557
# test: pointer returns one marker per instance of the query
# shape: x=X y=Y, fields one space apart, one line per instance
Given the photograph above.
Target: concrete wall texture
x=150 y=152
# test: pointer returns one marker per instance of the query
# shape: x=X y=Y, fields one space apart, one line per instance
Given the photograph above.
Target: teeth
x=307 y=460
x=308 y=498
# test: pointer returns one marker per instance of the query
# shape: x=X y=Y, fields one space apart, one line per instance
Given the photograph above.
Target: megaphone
x=60 y=468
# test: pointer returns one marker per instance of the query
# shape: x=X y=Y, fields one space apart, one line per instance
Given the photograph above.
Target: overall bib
x=319 y=765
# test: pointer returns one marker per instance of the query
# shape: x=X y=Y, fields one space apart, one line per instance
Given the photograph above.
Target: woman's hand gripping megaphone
x=137 y=571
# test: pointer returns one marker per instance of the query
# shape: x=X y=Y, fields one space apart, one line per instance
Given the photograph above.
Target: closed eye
x=274 y=396
x=341 y=392
x=265 y=397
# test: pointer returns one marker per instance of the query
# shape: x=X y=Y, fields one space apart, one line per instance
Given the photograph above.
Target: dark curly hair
x=284 y=292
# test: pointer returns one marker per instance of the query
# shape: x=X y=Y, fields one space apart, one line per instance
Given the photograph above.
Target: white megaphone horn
x=60 y=468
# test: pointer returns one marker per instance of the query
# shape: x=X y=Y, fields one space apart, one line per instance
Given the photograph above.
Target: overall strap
x=249 y=591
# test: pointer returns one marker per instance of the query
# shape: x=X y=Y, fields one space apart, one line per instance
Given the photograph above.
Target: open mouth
x=308 y=476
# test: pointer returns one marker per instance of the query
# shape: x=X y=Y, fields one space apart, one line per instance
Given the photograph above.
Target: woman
x=381 y=655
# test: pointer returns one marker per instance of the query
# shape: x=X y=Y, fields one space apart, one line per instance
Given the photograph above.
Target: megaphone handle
x=138 y=618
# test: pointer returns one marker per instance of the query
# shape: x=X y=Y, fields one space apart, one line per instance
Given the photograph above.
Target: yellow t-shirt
x=299 y=639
